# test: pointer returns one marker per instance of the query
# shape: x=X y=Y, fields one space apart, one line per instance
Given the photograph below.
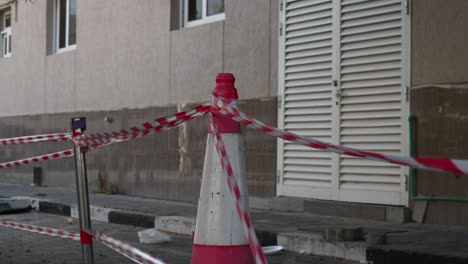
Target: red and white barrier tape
x=233 y=184
x=172 y=122
x=442 y=165
x=41 y=230
x=55 y=155
x=128 y=251
x=125 y=249
x=142 y=130
x=36 y=139
x=102 y=142
x=103 y=139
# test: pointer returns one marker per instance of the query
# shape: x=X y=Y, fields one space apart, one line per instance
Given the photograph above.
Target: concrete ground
x=297 y=232
x=24 y=247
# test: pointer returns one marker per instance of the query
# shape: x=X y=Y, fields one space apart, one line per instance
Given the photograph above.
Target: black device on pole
x=78 y=123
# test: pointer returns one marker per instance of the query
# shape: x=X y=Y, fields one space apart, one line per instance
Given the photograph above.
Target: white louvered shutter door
x=356 y=45
x=307 y=97
x=371 y=98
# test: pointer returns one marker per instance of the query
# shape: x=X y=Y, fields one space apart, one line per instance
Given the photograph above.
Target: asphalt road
x=24 y=247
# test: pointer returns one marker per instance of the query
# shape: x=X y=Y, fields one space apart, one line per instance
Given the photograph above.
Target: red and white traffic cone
x=219 y=234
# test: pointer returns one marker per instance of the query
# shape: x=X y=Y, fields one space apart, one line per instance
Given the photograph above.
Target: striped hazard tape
x=105 y=141
x=37 y=159
x=125 y=249
x=99 y=140
x=442 y=165
x=233 y=184
x=41 y=230
x=144 y=129
x=36 y=139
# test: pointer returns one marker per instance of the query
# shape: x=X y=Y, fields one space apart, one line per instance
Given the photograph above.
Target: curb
x=304 y=243
x=299 y=242
x=180 y=225
x=11 y=206
x=315 y=244
x=97 y=213
x=381 y=255
x=131 y=218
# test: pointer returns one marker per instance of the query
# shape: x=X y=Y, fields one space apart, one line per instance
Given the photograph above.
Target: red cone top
x=225 y=86
x=226 y=90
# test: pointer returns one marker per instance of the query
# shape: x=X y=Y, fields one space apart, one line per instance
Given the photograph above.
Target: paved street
x=24 y=247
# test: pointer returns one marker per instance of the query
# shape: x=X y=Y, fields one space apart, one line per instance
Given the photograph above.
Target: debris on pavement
x=153 y=236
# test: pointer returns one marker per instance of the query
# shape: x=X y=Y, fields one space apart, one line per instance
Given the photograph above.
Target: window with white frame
x=6 y=35
x=197 y=12
x=65 y=25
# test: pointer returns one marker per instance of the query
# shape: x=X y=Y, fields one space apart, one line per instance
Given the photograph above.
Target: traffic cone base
x=222 y=254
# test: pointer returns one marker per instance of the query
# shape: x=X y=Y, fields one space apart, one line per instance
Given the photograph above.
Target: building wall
x=127 y=57
x=166 y=165
x=439 y=96
x=133 y=64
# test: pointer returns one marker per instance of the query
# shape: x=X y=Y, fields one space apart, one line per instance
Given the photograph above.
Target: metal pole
x=78 y=126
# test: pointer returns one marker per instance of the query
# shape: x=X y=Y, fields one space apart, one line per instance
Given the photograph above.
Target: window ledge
x=206 y=20
x=66 y=49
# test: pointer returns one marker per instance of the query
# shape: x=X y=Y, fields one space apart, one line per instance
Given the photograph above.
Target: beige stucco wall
x=196 y=57
x=439 y=51
x=127 y=57
x=122 y=59
x=439 y=71
x=22 y=84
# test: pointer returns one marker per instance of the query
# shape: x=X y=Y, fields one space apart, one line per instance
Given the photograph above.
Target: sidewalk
x=299 y=232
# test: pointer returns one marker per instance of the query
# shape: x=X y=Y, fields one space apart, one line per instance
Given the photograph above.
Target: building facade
x=347 y=72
